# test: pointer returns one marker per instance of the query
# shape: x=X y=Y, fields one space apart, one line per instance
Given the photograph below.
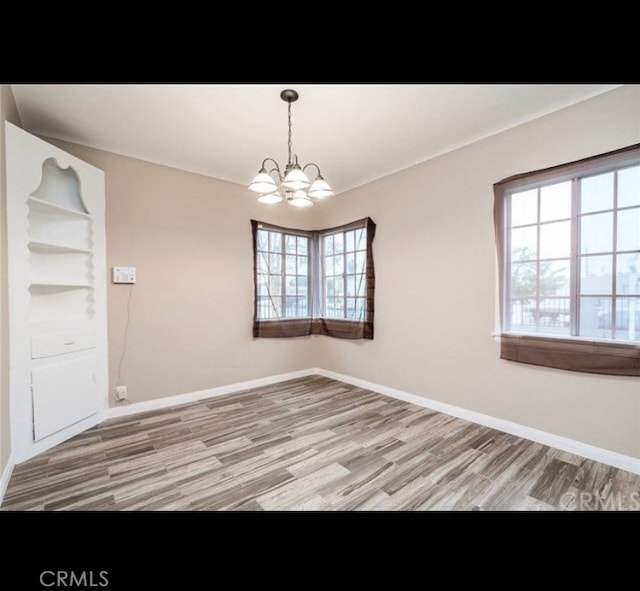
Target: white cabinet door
x=63 y=394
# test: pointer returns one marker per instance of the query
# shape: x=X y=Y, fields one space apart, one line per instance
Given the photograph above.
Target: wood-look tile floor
x=310 y=444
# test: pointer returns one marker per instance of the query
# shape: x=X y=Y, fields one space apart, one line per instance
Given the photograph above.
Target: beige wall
x=189 y=237
x=435 y=282
x=8 y=112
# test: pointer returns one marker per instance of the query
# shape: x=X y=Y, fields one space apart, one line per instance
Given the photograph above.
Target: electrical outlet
x=121 y=392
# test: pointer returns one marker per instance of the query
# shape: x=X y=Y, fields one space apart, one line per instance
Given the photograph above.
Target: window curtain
x=575 y=354
x=316 y=322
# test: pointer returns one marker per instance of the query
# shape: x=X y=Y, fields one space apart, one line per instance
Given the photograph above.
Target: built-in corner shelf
x=50 y=207
x=48 y=247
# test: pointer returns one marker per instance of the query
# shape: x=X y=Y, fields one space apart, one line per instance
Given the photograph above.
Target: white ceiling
x=356 y=133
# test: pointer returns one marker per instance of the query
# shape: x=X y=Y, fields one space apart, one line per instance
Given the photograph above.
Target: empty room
x=313 y=297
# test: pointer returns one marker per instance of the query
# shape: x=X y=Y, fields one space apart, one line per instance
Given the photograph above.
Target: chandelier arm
x=312 y=164
x=277 y=168
x=278 y=171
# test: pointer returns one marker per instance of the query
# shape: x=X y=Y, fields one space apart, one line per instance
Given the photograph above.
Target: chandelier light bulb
x=263 y=183
x=295 y=179
x=299 y=199
x=320 y=189
x=270 y=198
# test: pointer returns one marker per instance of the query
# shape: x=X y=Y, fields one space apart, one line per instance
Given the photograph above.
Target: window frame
x=316 y=322
x=574 y=352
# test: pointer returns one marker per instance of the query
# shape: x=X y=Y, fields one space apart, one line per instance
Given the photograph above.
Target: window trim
x=316 y=322
x=573 y=353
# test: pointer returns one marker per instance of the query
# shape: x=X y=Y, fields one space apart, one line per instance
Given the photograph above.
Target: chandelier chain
x=289 y=144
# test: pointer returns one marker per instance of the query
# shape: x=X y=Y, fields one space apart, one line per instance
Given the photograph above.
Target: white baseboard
x=137 y=407
x=6 y=476
x=579 y=448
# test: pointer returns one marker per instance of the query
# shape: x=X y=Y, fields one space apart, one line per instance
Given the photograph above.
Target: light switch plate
x=124 y=274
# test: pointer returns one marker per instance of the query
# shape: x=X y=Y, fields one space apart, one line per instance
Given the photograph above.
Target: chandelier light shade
x=294 y=183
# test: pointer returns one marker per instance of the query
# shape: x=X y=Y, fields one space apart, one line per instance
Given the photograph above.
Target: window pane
x=349 y=241
x=262 y=286
x=290 y=308
x=275 y=241
x=361 y=239
x=628 y=319
x=290 y=244
x=302 y=285
x=329 y=287
x=361 y=261
x=522 y=316
x=555 y=240
x=628 y=273
x=262 y=262
x=275 y=285
x=290 y=284
x=338 y=285
x=523 y=280
x=338 y=264
x=361 y=285
x=629 y=229
x=291 y=264
x=338 y=242
x=596 y=193
x=269 y=307
x=328 y=266
x=595 y=317
x=596 y=233
x=350 y=263
x=554 y=278
x=351 y=285
x=524 y=208
x=553 y=316
x=629 y=187
x=275 y=263
x=263 y=240
x=595 y=275
x=335 y=307
x=302 y=307
x=361 y=308
x=555 y=202
x=328 y=244
x=351 y=308
x=524 y=244
x=303 y=244
x=302 y=266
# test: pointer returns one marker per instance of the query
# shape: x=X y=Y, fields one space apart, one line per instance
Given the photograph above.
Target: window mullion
x=614 y=262
x=574 y=262
x=283 y=275
x=506 y=273
x=314 y=277
x=537 y=296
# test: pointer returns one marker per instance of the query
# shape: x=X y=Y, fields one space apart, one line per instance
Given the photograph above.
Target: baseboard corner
x=6 y=477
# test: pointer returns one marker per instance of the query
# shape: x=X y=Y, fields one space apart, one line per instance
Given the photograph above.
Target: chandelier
x=294 y=183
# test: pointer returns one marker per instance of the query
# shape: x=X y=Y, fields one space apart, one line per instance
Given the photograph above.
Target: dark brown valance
x=576 y=355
